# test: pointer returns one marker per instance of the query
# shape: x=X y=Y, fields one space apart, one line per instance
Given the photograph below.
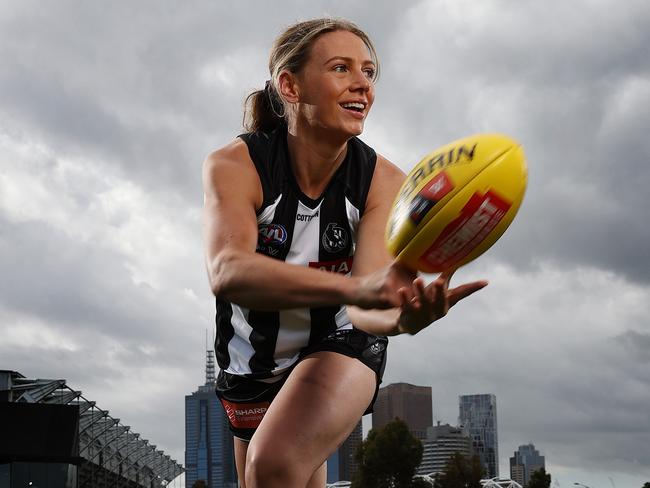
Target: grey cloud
x=636 y=343
x=81 y=285
x=574 y=99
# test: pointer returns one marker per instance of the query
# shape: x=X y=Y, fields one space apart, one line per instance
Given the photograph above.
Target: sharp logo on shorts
x=305 y=217
x=342 y=266
x=245 y=415
x=335 y=238
x=272 y=234
x=456 y=155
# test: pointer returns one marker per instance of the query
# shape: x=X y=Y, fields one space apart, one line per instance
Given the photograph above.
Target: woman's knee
x=270 y=468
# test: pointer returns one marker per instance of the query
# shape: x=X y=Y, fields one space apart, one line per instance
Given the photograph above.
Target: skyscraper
x=209 y=454
x=441 y=443
x=409 y=403
x=524 y=462
x=478 y=414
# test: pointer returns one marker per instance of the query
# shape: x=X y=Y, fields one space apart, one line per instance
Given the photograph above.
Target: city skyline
x=107 y=114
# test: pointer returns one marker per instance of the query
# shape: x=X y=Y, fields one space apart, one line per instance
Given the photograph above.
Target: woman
x=294 y=219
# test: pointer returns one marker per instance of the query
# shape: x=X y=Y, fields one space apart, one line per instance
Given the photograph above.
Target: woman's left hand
x=422 y=305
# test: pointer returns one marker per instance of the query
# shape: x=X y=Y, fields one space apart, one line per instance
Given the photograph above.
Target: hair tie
x=273 y=99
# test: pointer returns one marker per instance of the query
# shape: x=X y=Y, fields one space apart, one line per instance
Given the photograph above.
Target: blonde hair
x=264 y=109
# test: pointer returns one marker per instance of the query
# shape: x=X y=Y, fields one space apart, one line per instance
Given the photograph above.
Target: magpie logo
x=335 y=238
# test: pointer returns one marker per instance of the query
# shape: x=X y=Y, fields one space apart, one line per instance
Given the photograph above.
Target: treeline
x=390 y=456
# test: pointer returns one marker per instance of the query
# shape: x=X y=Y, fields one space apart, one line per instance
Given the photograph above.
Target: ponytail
x=263 y=110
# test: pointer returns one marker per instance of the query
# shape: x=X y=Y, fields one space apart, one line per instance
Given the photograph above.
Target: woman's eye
x=340 y=68
x=370 y=73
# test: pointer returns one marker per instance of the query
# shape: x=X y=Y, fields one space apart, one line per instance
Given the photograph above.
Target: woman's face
x=335 y=87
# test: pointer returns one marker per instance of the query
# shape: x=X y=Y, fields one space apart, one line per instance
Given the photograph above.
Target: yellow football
x=456 y=202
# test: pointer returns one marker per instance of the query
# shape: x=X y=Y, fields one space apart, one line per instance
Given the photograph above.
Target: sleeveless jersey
x=297 y=229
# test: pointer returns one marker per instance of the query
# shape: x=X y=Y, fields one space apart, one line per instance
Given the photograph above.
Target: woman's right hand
x=385 y=287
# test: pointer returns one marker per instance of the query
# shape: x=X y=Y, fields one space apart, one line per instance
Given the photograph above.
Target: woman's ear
x=288 y=87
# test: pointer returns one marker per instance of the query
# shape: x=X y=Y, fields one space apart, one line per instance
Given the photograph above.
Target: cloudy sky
x=106 y=113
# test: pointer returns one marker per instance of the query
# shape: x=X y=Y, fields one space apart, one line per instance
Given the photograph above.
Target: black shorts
x=246 y=400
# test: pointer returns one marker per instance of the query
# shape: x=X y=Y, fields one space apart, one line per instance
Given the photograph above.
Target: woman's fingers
x=454 y=295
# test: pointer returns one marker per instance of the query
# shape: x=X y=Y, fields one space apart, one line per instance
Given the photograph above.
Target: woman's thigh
x=314 y=412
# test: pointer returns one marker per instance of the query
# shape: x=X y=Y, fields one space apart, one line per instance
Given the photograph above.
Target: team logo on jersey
x=270 y=234
x=335 y=238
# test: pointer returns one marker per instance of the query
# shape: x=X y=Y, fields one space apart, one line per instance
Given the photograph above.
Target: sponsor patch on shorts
x=245 y=415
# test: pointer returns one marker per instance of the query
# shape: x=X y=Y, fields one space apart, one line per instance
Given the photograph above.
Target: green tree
x=461 y=472
x=646 y=484
x=539 y=479
x=388 y=457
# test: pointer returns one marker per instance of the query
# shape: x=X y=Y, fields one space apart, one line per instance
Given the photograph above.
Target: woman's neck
x=315 y=157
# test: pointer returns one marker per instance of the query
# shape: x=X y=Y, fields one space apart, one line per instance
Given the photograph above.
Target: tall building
x=410 y=403
x=441 y=443
x=209 y=453
x=524 y=462
x=341 y=465
x=478 y=414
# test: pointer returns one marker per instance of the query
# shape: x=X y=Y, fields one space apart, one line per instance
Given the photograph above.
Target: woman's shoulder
x=233 y=157
x=386 y=169
x=231 y=167
x=386 y=181
x=242 y=147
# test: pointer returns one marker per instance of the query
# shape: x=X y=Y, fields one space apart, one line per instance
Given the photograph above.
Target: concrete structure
x=524 y=462
x=441 y=443
x=53 y=437
x=410 y=403
x=209 y=454
x=478 y=414
x=341 y=465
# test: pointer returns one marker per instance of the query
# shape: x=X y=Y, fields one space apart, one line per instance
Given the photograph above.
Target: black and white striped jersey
x=297 y=229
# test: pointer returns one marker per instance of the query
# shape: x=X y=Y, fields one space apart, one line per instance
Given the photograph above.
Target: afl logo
x=270 y=234
x=335 y=238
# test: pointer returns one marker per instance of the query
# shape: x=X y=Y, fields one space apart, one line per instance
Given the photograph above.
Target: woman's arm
x=232 y=192
x=371 y=253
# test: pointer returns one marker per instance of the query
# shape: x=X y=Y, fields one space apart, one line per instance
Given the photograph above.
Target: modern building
x=478 y=414
x=341 y=465
x=441 y=443
x=524 y=462
x=209 y=453
x=51 y=436
x=409 y=403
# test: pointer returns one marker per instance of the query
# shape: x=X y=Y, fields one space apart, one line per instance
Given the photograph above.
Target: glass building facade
x=209 y=454
x=478 y=414
x=524 y=462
